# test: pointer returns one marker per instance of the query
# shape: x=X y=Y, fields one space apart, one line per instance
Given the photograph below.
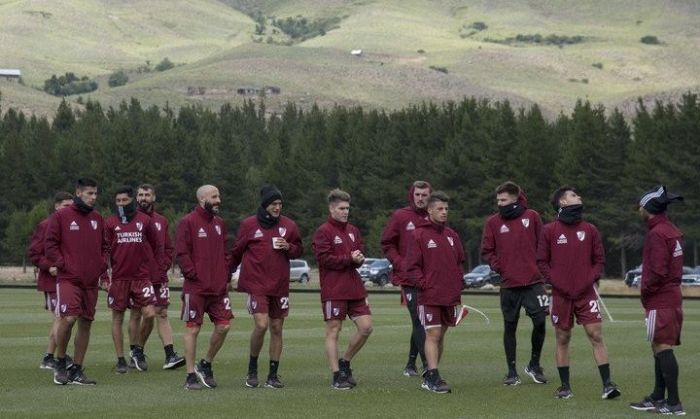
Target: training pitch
x=473 y=365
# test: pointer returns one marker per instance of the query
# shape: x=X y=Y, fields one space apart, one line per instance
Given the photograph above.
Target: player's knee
x=510 y=327
x=148 y=313
x=366 y=330
x=222 y=328
x=70 y=320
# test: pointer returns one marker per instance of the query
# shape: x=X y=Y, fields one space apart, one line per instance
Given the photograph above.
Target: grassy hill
x=413 y=50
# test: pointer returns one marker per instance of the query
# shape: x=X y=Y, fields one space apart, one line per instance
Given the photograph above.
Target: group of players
x=129 y=254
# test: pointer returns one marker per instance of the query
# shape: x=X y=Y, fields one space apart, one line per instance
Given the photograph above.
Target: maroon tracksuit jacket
x=662 y=265
x=75 y=244
x=131 y=247
x=397 y=235
x=570 y=257
x=200 y=248
x=434 y=262
x=44 y=281
x=159 y=272
x=510 y=248
x=332 y=244
x=265 y=271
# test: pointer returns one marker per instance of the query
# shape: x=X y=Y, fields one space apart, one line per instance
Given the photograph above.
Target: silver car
x=299 y=270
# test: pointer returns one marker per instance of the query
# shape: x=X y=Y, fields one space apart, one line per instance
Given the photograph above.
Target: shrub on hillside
x=650 y=40
x=118 y=78
x=300 y=28
x=440 y=69
x=164 y=65
x=599 y=66
x=69 y=84
x=479 y=26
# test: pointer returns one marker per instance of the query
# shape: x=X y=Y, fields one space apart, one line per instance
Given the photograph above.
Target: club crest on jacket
x=581 y=235
x=526 y=222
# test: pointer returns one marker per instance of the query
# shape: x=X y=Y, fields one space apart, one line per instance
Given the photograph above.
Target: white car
x=299 y=270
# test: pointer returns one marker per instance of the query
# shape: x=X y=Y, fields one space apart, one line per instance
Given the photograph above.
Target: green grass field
x=473 y=364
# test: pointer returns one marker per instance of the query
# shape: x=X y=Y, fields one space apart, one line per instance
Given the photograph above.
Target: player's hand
x=357 y=256
x=53 y=271
x=281 y=243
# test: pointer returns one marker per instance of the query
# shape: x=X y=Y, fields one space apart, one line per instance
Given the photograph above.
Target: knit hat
x=269 y=194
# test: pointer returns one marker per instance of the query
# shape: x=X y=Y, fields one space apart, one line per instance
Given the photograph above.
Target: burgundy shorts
x=50 y=301
x=274 y=307
x=340 y=309
x=436 y=316
x=73 y=300
x=586 y=309
x=162 y=294
x=194 y=306
x=664 y=325
x=125 y=294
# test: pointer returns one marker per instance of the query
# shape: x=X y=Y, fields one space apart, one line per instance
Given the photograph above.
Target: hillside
x=413 y=50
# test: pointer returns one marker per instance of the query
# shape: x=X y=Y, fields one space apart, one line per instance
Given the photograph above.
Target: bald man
x=201 y=253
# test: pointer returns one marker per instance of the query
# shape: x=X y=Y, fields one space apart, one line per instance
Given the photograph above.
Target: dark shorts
x=532 y=297
x=664 y=325
x=340 y=309
x=274 y=307
x=586 y=309
x=125 y=294
x=437 y=316
x=162 y=294
x=73 y=300
x=50 y=301
x=194 y=306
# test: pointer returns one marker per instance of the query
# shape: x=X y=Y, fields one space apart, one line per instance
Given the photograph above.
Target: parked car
x=631 y=274
x=364 y=269
x=480 y=276
x=380 y=271
x=299 y=270
x=689 y=278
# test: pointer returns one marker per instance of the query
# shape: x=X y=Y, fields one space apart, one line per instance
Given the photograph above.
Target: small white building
x=356 y=52
x=10 y=74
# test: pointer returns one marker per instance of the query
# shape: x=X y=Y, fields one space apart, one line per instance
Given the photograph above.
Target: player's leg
x=133 y=330
x=536 y=303
x=219 y=310
x=441 y=343
x=510 y=307
x=333 y=328
x=666 y=331
x=218 y=337
x=190 y=342
x=261 y=322
x=118 y=340
x=417 y=342
x=364 y=328
x=434 y=341
x=276 y=343
x=563 y=338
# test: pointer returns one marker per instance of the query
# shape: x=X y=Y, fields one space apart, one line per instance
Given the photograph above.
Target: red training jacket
x=662 y=264
x=131 y=247
x=159 y=272
x=45 y=281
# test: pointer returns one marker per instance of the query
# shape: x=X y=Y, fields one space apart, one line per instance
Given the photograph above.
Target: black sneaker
x=121 y=367
x=139 y=359
x=60 y=372
x=205 y=374
x=436 y=386
x=511 y=379
x=563 y=392
x=345 y=366
x=191 y=383
x=273 y=381
x=251 y=380
x=410 y=371
x=77 y=376
x=173 y=361
x=647 y=404
x=69 y=361
x=48 y=362
x=340 y=381
x=535 y=372
x=610 y=391
x=666 y=409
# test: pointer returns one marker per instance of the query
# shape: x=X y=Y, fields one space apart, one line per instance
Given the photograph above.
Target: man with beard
x=339 y=251
x=200 y=248
x=75 y=248
x=509 y=244
x=570 y=256
x=395 y=238
x=46 y=281
x=434 y=265
x=265 y=243
x=662 y=269
x=146 y=198
x=132 y=241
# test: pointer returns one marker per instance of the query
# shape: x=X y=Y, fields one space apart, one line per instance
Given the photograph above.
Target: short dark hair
x=438 y=196
x=85 y=182
x=509 y=187
x=147 y=187
x=125 y=189
x=338 y=195
x=62 y=196
x=556 y=196
x=421 y=184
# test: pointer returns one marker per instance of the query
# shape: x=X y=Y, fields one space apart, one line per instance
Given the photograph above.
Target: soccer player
x=339 y=249
x=662 y=269
x=146 y=198
x=509 y=244
x=46 y=281
x=75 y=248
x=570 y=256
x=265 y=243
x=132 y=240
x=397 y=233
x=434 y=264
x=200 y=248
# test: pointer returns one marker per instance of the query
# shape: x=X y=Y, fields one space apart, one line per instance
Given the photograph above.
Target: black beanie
x=269 y=194
x=656 y=200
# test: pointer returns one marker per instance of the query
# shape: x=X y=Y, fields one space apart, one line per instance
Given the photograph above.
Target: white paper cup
x=275 y=245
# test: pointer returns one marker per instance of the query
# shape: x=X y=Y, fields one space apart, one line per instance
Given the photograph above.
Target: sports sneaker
x=610 y=391
x=174 y=361
x=139 y=359
x=410 y=371
x=121 y=367
x=647 y=404
x=69 y=361
x=205 y=374
x=437 y=386
x=251 y=380
x=273 y=381
x=563 y=392
x=191 y=383
x=60 y=373
x=511 y=379
x=463 y=312
x=535 y=372
x=340 y=381
x=666 y=409
x=77 y=376
x=48 y=362
x=345 y=366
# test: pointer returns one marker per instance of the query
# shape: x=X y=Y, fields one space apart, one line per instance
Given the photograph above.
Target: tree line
x=465 y=148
